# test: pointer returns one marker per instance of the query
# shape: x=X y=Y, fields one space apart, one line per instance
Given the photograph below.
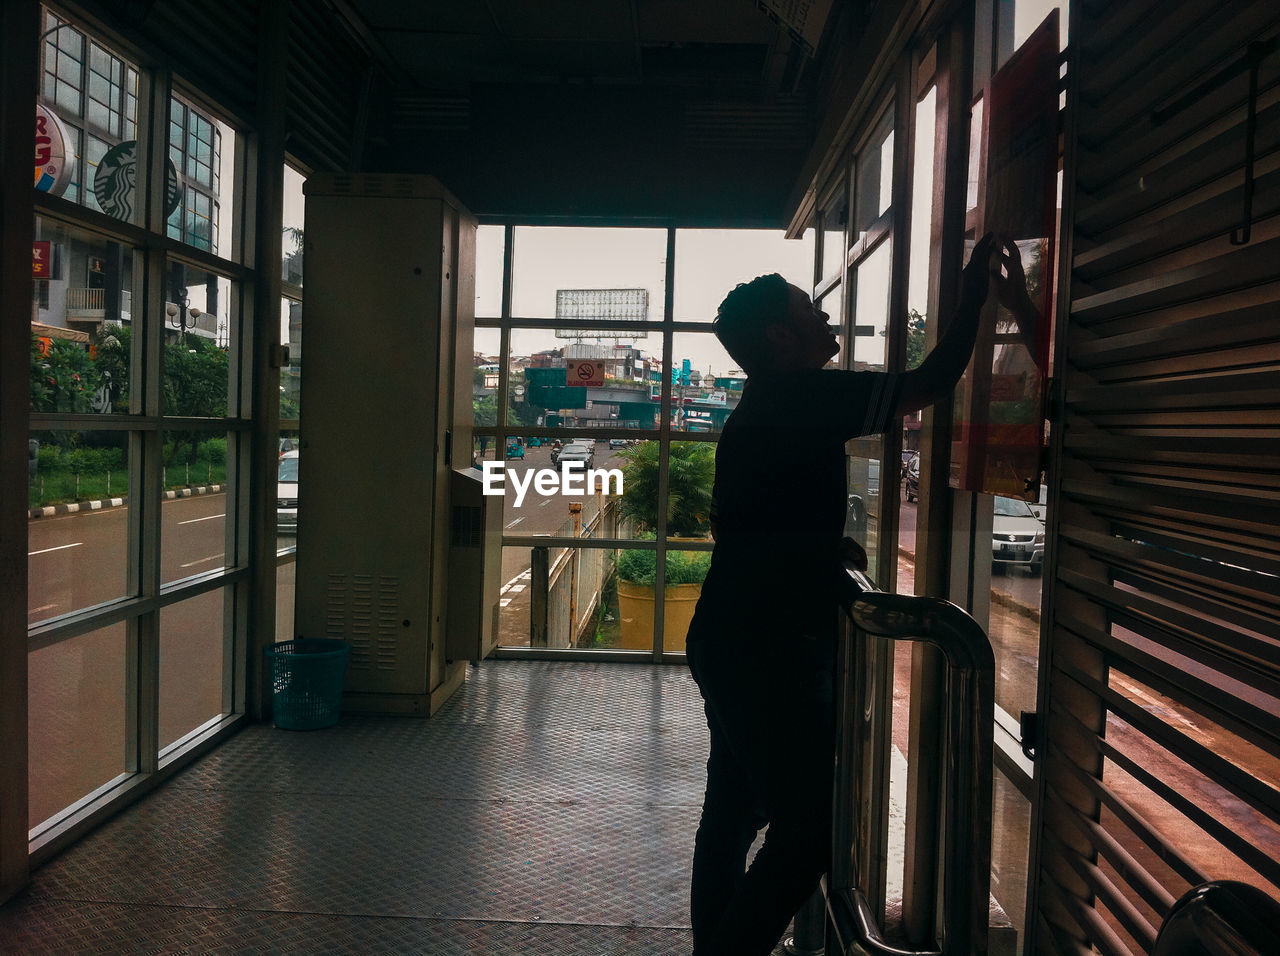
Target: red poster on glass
x=41 y=260
x=998 y=431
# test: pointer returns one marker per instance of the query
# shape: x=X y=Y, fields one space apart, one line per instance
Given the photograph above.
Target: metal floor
x=547 y=808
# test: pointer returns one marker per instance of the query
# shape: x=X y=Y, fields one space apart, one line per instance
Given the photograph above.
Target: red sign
x=41 y=260
x=585 y=373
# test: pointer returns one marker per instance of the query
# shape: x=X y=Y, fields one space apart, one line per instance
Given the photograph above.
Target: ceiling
x=699 y=110
x=440 y=45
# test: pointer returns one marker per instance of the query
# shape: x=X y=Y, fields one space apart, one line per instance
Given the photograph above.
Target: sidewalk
x=50 y=511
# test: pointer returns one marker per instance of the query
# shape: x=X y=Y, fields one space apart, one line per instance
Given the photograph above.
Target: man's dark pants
x=768 y=696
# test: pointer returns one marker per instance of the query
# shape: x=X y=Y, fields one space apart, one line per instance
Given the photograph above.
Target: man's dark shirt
x=780 y=499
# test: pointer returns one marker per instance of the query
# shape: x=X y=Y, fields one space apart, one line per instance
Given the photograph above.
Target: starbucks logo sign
x=115 y=182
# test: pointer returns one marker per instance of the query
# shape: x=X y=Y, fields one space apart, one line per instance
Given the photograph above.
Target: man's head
x=769 y=325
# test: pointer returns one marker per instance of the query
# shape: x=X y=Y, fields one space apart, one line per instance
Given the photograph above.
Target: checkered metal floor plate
x=547 y=808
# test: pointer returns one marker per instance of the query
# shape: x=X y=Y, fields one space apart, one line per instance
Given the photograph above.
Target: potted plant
x=690 y=475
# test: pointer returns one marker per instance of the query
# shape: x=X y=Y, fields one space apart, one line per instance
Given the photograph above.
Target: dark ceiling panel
x=426 y=16
x=572 y=19
x=703 y=21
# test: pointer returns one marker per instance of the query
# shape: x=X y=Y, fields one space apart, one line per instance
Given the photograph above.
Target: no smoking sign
x=585 y=373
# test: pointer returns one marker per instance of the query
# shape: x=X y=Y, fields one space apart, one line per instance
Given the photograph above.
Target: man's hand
x=1011 y=282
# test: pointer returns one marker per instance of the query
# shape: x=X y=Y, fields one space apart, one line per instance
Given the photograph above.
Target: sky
x=709 y=262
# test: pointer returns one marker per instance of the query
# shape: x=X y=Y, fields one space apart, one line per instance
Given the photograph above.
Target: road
x=77 y=561
x=79 y=687
x=537 y=514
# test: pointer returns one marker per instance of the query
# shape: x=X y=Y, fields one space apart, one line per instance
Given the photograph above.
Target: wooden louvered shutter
x=1161 y=768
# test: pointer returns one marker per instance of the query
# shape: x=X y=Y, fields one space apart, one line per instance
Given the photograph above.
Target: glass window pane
x=81 y=329
x=548 y=259
x=286 y=577
x=711 y=262
x=78 y=719
x=294 y=208
x=200 y=341
x=874 y=177
x=577 y=584
x=1019 y=19
x=114 y=181
x=862 y=517
x=706 y=387
x=192 y=661
x=1010 y=845
x=291 y=374
x=834 y=220
x=194 y=514
x=871 y=310
x=490 y=242
x=538 y=500
x=624 y=400
x=77 y=558
x=1017 y=559
x=209 y=185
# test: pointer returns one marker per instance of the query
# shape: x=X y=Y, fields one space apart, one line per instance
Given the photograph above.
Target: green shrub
x=683 y=567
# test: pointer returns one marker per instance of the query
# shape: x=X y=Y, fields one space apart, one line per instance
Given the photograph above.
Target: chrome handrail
x=1220 y=918
x=967 y=752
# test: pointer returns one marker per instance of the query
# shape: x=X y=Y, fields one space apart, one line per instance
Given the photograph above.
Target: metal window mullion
x=148 y=502
x=664 y=447
x=504 y=341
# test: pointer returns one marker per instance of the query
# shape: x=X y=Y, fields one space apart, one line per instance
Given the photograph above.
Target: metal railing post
x=965 y=826
x=539 y=585
x=809 y=932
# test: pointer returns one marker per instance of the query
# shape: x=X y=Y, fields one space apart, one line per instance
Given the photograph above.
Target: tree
x=195 y=386
x=63 y=377
x=915 y=339
x=690 y=477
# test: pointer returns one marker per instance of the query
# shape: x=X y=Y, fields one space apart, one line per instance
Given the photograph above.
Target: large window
x=581 y=567
x=139 y=424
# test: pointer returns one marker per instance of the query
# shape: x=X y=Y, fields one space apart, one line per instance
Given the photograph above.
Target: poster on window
x=998 y=434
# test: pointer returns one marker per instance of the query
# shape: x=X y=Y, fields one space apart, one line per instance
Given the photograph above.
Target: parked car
x=584 y=452
x=1040 y=508
x=287 y=494
x=1017 y=537
x=911 y=478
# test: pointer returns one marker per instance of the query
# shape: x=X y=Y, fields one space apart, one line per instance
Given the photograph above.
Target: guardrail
x=1222 y=917
x=965 y=749
x=567 y=584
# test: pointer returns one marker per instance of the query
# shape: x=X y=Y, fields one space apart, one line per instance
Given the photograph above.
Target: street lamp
x=177 y=313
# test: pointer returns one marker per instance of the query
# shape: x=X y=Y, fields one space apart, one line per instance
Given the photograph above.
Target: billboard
x=595 y=305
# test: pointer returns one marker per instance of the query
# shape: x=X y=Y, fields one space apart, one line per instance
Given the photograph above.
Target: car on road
x=1017 y=537
x=584 y=452
x=617 y=443
x=515 y=449
x=287 y=494
x=911 y=478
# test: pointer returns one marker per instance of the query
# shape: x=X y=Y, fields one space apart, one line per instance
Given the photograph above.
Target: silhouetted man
x=762 y=643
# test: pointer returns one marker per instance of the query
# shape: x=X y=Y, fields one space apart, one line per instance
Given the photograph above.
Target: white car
x=584 y=452
x=287 y=494
x=1017 y=536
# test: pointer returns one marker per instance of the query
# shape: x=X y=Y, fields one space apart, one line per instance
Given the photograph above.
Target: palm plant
x=690 y=477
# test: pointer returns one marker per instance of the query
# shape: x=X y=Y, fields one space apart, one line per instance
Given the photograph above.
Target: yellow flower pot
x=635 y=613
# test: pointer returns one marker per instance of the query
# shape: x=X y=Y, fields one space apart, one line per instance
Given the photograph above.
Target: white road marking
x=61 y=547
x=209 y=518
x=544 y=503
x=43 y=607
x=514 y=523
x=192 y=564
x=517 y=588
x=504 y=602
